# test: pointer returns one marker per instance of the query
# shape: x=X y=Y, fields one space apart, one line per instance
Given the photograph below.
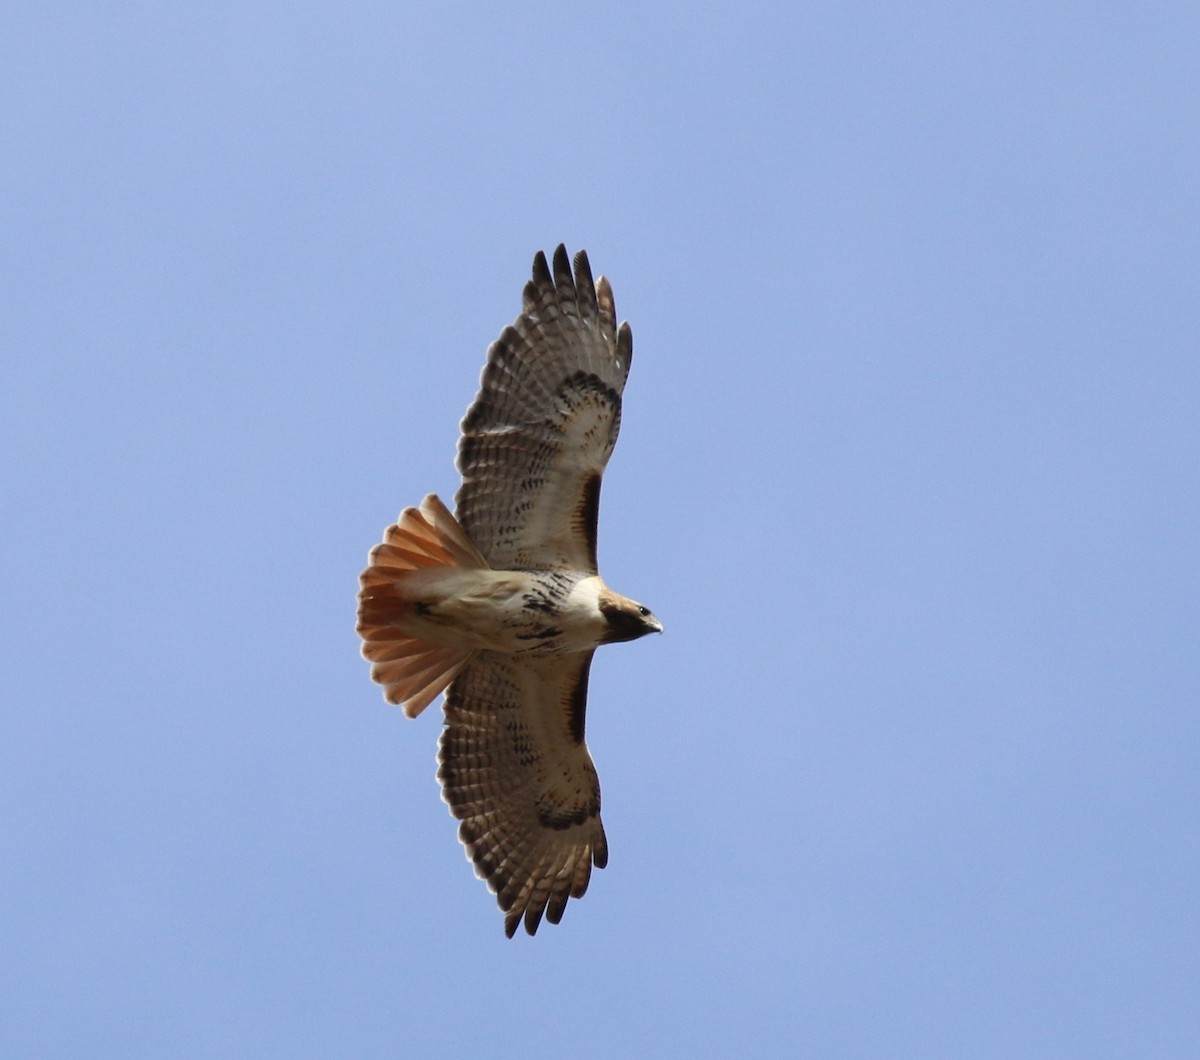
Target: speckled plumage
x=505 y=603
x=539 y=434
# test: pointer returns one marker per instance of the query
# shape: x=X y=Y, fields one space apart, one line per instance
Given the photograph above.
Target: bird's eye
x=644 y=611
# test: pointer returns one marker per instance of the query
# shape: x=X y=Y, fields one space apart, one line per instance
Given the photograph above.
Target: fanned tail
x=412 y=671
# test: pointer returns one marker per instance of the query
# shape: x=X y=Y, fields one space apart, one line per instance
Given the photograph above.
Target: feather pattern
x=518 y=775
x=503 y=607
x=413 y=671
x=539 y=434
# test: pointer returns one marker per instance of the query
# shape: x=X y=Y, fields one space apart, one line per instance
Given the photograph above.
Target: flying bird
x=501 y=605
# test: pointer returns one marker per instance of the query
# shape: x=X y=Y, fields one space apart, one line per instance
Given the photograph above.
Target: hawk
x=501 y=604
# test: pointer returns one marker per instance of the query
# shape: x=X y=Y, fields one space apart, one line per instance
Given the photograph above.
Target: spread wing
x=515 y=770
x=539 y=434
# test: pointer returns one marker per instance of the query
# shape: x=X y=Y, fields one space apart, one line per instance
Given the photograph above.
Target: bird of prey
x=501 y=605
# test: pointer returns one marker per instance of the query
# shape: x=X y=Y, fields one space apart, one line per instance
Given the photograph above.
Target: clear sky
x=910 y=470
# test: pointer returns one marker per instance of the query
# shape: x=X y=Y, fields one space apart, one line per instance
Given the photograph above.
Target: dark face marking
x=627 y=620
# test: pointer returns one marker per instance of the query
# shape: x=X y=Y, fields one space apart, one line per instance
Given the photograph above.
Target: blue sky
x=910 y=470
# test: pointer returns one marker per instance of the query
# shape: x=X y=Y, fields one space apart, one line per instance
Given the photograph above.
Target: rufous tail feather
x=413 y=672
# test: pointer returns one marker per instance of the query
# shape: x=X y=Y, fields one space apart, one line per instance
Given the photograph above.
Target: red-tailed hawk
x=503 y=607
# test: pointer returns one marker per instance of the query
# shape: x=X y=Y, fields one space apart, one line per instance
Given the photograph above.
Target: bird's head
x=627 y=619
